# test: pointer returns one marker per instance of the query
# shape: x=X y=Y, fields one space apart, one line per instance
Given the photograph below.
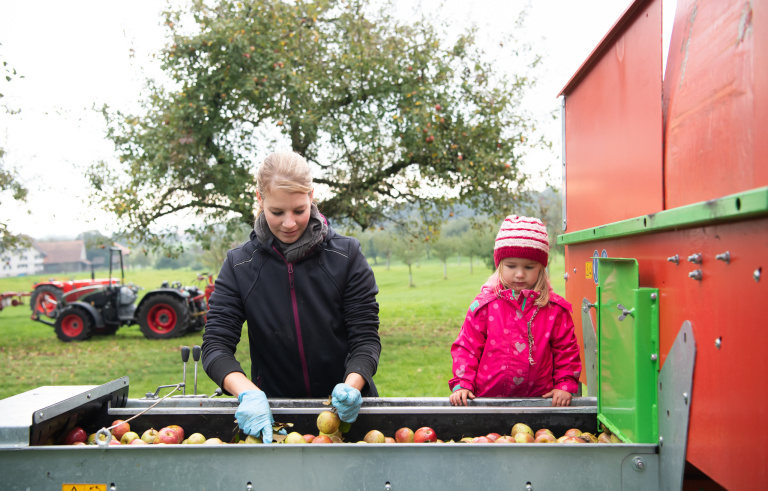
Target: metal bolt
x=695 y=274
x=653 y=296
x=661 y=441
x=587 y=306
x=726 y=256
x=674 y=259
x=638 y=464
x=756 y=274
x=574 y=270
x=654 y=357
x=387 y=486
x=685 y=398
x=113 y=487
x=249 y=487
x=565 y=276
x=40 y=414
x=695 y=258
x=88 y=396
x=528 y=486
x=718 y=342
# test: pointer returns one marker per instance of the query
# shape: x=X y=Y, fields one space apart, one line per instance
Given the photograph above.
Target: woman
x=308 y=296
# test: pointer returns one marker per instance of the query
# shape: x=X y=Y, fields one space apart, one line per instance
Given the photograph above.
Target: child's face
x=287 y=213
x=519 y=274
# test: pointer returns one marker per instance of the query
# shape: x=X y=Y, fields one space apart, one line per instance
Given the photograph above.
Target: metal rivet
x=695 y=258
x=674 y=259
x=654 y=357
x=249 y=487
x=574 y=270
x=40 y=414
x=718 y=342
x=653 y=296
x=638 y=464
x=565 y=276
x=756 y=274
x=88 y=396
x=661 y=441
x=695 y=274
x=387 y=486
x=685 y=397
x=726 y=256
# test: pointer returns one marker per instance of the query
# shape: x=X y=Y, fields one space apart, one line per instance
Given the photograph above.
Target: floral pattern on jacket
x=491 y=353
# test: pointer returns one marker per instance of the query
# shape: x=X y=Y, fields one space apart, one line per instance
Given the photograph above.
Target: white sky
x=76 y=55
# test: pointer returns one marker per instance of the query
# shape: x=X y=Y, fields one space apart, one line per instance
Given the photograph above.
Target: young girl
x=518 y=338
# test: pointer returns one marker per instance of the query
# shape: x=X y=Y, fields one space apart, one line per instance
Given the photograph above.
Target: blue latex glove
x=347 y=401
x=254 y=416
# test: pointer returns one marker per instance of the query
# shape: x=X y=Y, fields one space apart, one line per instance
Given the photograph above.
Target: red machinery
x=48 y=295
x=12 y=299
x=666 y=226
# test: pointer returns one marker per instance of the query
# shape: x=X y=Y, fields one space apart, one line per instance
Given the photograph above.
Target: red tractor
x=103 y=306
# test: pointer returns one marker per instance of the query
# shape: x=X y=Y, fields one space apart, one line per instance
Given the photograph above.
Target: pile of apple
x=330 y=430
x=122 y=435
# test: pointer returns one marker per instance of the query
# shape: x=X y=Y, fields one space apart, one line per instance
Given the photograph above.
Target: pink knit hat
x=522 y=237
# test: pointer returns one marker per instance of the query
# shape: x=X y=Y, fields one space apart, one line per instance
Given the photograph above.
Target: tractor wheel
x=73 y=324
x=46 y=300
x=162 y=317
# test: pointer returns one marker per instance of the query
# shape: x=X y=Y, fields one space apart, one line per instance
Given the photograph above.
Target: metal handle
x=184 y=359
x=625 y=312
x=196 y=357
x=185 y=354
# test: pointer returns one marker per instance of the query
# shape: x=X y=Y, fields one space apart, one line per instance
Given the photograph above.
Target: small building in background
x=64 y=256
x=22 y=262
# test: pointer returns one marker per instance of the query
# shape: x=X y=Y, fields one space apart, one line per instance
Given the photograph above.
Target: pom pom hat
x=522 y=237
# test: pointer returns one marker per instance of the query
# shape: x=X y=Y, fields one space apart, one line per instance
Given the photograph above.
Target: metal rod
x=184 y=358
x=196 y=357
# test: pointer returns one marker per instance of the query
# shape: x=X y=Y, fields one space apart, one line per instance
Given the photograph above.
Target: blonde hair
x=542 y=286
x=288 y=171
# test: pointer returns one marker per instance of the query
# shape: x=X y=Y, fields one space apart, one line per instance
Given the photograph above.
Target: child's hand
x=459 y=398
x=559 y=397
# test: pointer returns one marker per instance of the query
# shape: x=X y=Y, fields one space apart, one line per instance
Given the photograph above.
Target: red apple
x=322 y=439
x=481 y=439
x=114 y=442
x=492 y=436
x=603 y=438
x=545 y=438
x=120 y=428
x=75 y=435
x=424 y=434
x=505 y=439
x=79 y=443
x=179 y=432
x=573 y=439
x=404 y=435
x=541 y=431
x=389 y=439
x=437 y=107
x=573 y=432
x=309 y=437
x=167 y=436
x=138 y=441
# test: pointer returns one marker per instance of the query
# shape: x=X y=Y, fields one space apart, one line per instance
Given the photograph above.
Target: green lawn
x=417 y=327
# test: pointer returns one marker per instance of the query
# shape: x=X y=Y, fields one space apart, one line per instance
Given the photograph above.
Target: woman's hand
x=559 y=397
x=459 y=398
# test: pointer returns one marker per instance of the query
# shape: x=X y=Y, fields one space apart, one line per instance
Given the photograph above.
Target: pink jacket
x=490 y=355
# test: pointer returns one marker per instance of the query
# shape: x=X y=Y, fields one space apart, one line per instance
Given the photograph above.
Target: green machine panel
x=627 y=352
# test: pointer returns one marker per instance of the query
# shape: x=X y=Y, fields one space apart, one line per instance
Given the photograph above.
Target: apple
x=492 y=436
x=213 y=441
x=344 y=426
x=322 y=439
x=252 y=439
x=389 y=439
x=195 y=439
x=167 y=436
x=524 y=438
x=309 y=437
x=129 y=437
x=92 y=438
x=603 y=438
x=545 y=438
x=506 y=439
x=572 y=439
x=120 y=428
x=615 y=439
x=481 y=439
x=75 y=435
x=374 y=436
x=404 y=435
x=466 y=439
x=425 y=434
x=437 y=107
x=179 y=432
x=572 y=432
x=114 y=442
x=295 y=437
x=328 y=422
x=150 y=436
x=561 y=439
x=337 y=439
x=79 y=443
x=589 y=437
x=138 y=441
x=521 y=428
x=543 y=430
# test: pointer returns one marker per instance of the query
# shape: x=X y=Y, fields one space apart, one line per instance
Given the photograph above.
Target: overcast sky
x=81 y=54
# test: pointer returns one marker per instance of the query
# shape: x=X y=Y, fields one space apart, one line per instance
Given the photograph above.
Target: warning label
x=588 y=269
x=83 y=487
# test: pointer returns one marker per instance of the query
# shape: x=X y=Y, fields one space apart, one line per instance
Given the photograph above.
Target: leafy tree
x=409 y=250
x=478 y=241
x=389 y=114
x=218 y=239
x=384 y=243
x=444 y=247
x=9 y=181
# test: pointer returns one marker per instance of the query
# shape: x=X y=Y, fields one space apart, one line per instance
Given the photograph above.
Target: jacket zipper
x=297 y=325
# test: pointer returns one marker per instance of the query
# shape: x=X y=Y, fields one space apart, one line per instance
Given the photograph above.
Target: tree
x=220 y=238
x=478 y=241
x=444 y=247
x=388 y=113
x=9 y=181
x=408 y=250
x=384 y=243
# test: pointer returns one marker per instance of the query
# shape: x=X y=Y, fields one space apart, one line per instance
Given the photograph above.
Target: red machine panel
x=716 y=101
x=613 y=124
x=726 y=304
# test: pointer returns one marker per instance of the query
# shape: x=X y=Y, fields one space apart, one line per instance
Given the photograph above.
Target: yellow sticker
x=588 y=270
x=83 y=487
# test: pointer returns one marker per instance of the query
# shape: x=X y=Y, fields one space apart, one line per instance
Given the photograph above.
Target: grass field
x=418 y=326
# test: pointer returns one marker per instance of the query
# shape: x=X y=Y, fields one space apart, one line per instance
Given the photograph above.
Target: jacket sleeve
x=468 y=348
x=223 y=326
x=361 y=316
x=565 y=351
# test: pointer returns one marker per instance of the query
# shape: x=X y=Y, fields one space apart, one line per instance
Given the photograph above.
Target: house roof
x=70 y=251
